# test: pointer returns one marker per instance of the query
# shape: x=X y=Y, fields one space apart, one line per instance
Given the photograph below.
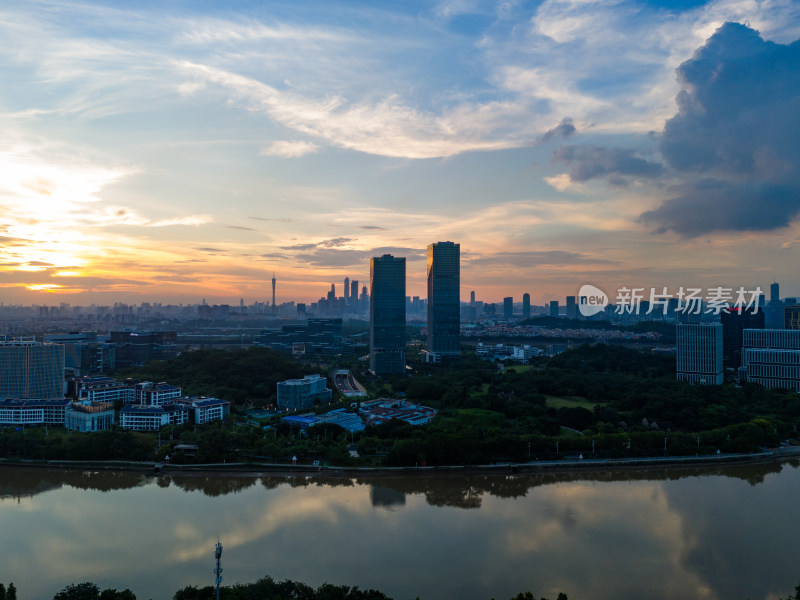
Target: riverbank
x=252 y=469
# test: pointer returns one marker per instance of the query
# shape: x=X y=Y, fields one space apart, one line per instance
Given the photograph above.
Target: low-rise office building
x=771 y=357
x=89 y=416
x=33 y=412
x=139 y=417
x=301 y=394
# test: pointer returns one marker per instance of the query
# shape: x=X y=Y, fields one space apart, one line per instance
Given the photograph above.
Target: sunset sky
x=177 y=150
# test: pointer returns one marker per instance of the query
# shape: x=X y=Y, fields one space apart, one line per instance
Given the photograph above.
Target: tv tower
x=218 y=556
x=274 y=308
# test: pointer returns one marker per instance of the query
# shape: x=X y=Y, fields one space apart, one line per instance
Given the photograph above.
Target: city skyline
x=173 y=153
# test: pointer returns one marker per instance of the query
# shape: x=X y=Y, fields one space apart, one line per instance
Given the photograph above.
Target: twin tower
x=387 y=308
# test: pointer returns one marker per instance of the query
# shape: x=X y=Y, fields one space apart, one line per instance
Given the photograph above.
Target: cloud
x=588 y=162
x=335 y=257
x=330 y=243
x=239 y=227
x=563 y=130
x=734 y=138
x=538 y=258
x=293 y=149
x=276 y=220
x=372 y=227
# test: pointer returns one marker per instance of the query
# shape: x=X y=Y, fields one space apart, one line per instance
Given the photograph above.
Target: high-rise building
x=508 y=307
x=30 y=369
x=526 y=305
x=771 y=357
x=791 y=317
x=572 y=308
x=444 y=301
x=734 y=323
x=699 y=353
x=354 y=291
x=346 y=289
x=773 y=314
x=553 y=308
x=387 y=314
x=472 y=297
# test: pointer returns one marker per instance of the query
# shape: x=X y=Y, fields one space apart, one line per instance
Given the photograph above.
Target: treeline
x=50 y=443
x=242 y=377
x=262 y=589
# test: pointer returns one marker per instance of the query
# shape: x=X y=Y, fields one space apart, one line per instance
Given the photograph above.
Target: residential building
x=699 y=353
x=387 y=314
x=771 y=357
x=30 y=369
x=444 y=301
x=294 y=394
x=205 y=410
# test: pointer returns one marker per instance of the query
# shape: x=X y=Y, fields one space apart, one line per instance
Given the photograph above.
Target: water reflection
x=715 y=533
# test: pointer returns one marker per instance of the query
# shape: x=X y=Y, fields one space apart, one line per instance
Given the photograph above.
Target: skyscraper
x=346 y=289
x=444 y=300
x=526 y=305
x=387 y=314
x=773 y=317
x=508 y=307
x=572 y=308
x=699 y=353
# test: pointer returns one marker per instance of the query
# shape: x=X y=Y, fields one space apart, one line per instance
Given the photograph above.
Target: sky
x=176 y=151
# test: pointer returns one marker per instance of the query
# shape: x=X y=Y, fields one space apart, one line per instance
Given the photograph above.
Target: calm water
x=727 y=533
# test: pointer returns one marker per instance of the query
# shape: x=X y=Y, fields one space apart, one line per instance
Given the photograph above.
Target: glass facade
x=444 y=300
x=387 y=314
x=31 y=370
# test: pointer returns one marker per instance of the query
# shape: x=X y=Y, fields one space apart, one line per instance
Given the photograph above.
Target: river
x=726 y=533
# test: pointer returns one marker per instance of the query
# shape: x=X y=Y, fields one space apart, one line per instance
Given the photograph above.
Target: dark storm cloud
x=737 y=128
x=588 y=162
x=563 y=130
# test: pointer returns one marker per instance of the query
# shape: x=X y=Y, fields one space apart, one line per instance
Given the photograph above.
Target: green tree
x=82 y=591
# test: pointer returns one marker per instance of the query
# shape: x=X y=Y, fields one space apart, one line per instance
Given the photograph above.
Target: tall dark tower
x=387 y=314
x=444 y=301
x=274 y=307
x=526 y=305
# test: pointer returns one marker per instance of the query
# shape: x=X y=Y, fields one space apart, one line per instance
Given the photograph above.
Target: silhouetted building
x=387 y=314
x=699 y=353
x=553 y=308
x=773 y=317
x=572 y=308
x=508 y=307
x=135 y=348
x=791 y=317
x=733 y=324
x=444 y=301
x=316 y=336
x=526 y=305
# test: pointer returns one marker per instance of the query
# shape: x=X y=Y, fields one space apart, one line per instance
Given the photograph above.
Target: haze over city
x=183 y=151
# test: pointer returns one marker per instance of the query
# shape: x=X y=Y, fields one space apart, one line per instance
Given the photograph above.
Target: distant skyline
x=170 y=152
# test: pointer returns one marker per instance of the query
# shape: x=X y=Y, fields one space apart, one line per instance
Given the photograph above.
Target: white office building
x=699 y=353
x=302 y=393
x=771 y=357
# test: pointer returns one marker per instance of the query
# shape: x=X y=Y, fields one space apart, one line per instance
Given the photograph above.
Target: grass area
x=518 y=368
x=569 y=402
x=566 y=432
x=481 y=391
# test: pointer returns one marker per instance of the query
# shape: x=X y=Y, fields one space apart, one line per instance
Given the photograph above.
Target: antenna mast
x=218 y=570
